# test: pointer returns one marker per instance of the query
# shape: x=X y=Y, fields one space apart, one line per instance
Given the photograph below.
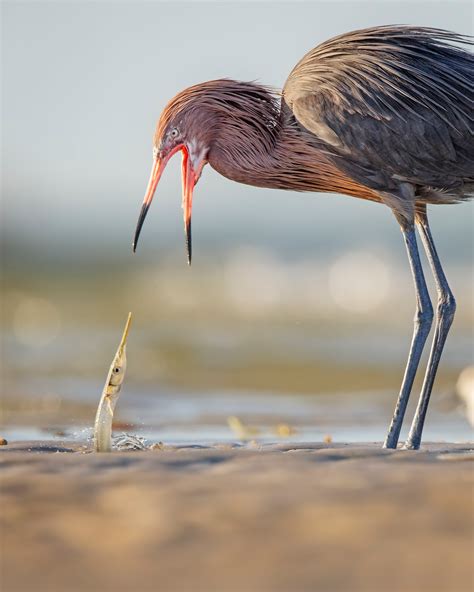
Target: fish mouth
x=189 y=180
x=123 y=341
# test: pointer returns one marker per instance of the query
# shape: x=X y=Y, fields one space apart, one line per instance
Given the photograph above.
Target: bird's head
x=201 y=122
x=186 y=125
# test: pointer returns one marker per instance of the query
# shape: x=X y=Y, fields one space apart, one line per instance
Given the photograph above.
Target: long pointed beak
x=156 y=172
x=188 y=181
x=159 y=165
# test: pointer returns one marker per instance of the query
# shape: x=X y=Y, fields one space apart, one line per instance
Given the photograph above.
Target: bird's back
x=392 y=104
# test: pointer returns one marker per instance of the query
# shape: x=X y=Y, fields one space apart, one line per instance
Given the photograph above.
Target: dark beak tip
x=189 y=247
x=141 y=219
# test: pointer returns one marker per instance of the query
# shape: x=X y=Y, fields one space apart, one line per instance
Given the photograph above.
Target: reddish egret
x=383 y=114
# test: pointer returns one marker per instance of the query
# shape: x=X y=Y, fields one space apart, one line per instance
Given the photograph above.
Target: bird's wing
x=390 y=104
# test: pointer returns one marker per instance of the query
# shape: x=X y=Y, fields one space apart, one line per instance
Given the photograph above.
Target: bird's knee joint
x=446 y=306
x=424 y=316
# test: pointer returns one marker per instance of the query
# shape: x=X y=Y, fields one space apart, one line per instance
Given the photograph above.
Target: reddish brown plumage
x=383 y=114
x=252 y=140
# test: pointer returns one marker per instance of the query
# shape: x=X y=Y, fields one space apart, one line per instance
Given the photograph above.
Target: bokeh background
x=298 y=308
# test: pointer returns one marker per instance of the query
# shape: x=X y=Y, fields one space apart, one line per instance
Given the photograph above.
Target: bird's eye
x=174 y=133
x=116 y=369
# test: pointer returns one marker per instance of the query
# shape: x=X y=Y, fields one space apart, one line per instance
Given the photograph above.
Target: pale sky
x=84 y=82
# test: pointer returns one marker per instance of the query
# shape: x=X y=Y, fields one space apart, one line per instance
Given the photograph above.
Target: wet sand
x=237 y=518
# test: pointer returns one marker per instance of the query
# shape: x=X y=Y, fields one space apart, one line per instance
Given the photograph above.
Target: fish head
x=119 y=364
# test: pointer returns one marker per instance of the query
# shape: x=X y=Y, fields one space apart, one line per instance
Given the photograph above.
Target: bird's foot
x=410 y=445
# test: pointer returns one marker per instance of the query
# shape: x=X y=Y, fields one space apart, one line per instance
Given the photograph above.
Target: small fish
x=110 y=395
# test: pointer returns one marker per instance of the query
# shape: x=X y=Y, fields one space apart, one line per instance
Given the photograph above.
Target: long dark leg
x=423 y=320
x=444 y=318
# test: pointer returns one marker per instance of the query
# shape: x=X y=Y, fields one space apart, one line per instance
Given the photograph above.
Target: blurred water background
x=297 y=309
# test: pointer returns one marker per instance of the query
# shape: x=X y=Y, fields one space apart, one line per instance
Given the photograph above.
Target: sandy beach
x=240 y=518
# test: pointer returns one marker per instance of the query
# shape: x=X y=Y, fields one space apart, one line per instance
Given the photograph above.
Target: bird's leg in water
x=444 y=318
x=423 y=320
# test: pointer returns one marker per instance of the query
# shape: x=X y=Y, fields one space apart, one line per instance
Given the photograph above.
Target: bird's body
x=394 y=106
x=383 y=114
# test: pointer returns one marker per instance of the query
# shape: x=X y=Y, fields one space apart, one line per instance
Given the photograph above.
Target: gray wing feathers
x=391 y=104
